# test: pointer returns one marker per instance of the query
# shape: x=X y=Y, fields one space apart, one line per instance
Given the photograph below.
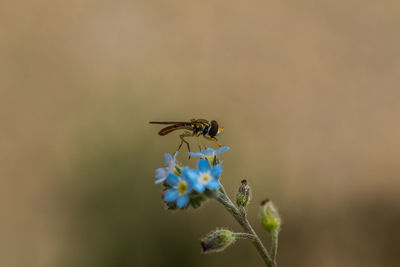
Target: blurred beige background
x=307 y=91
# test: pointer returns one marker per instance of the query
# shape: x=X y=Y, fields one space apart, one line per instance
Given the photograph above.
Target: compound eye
x=213 y=129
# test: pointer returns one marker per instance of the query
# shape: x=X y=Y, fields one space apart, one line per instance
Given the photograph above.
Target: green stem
x=274 y=245
x=241 y=218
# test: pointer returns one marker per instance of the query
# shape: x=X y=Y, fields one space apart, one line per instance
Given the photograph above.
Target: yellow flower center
x=182 y=187
x=205 y=177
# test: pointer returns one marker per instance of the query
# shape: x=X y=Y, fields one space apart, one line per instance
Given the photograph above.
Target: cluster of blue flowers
x=184 y=186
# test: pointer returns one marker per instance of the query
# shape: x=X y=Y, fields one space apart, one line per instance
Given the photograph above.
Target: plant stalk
x=241 y=218
x=244 y=236
x=274 y=245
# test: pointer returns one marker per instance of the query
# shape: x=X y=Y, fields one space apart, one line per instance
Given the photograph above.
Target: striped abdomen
x=173 y=127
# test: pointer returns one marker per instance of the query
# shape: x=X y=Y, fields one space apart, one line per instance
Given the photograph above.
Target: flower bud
x=270 y=219
x=217 y=241
x=243 y=196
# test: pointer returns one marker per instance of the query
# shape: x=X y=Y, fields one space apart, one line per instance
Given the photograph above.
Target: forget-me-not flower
x=209 y=152
x=181 y=187
x=163 y=172
x=205 y=177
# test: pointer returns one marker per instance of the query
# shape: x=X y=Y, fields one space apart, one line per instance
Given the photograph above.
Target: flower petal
x=222 y=150
x=197 y=154
x=160 y=180
x=176 y=153
x=182 y=201
x=216 y=171
x=167 y=159
x=189 y=175
x=189 y=187
x=161 y=173
x=172 y=179
x=184 y=172
x=213 y=184
x=199 y=187
x=171 y=195
x=203 y=165
x=208 y=152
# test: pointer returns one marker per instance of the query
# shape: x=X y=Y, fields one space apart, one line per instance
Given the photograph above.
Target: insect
x=195 y=127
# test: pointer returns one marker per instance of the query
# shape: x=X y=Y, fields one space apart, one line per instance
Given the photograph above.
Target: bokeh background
x=307 y=92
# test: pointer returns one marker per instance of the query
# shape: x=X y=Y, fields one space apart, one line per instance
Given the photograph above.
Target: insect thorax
x=201 y=128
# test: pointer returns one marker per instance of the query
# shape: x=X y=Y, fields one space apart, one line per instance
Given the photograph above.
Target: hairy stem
x=244 y=236
x=241 y=218
x=274 y=246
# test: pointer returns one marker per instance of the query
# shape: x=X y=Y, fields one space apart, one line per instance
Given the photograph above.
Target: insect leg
x=182 y=136
x=213 y=139
x=201 y=144
x=198 y=141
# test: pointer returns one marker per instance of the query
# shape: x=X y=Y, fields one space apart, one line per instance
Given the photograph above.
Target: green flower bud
x=243 y=196
x=217 y=241
x=270 y=219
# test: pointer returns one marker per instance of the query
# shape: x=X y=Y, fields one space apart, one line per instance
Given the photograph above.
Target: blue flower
x=205 y=177
x=210 y=152
x=181 y=187
x=162 y=173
